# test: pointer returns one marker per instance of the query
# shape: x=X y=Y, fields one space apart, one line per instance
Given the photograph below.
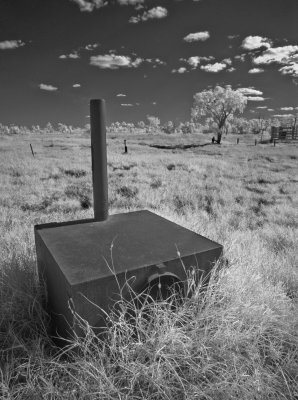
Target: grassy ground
x=238 y=341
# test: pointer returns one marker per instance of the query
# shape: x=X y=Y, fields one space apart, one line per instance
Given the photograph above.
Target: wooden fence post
x=31 y=149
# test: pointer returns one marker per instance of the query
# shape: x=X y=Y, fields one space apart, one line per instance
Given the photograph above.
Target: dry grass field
x=239 y=340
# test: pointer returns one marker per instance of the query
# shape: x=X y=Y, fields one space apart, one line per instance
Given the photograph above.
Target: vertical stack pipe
x=99 y=159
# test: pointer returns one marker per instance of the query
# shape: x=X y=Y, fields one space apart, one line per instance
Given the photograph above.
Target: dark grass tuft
x=76 y=173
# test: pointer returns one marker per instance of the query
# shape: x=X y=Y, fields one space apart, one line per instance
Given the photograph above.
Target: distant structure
x=284 y=132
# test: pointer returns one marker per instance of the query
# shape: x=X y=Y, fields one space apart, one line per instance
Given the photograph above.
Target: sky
x=144 y=57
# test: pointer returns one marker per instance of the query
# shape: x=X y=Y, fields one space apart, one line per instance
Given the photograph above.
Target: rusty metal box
x=88 y=261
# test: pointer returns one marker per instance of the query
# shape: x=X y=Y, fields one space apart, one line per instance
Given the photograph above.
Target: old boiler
x=86 y=262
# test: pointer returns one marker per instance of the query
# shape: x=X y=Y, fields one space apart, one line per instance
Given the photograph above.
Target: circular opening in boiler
x=164 y=287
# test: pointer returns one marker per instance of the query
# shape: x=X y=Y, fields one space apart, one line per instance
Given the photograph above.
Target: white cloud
x=121 y=95
x=130 y=2
x=250 y=92
x=197 y=36
x=261 y=107
x=194 y=61
x=255 y=42
x=240 y=57
x=230 y=37
x=216 y=67
x=255 y=98
x=180 y=70
x=113 y=61
x=279 y=55
x=227 y=61
x=154 y=13
x=155 y=61
x=127 y=105
x=49 y=88
x=11 y=44
x=287 y=108
x=232 y=69
x=255 y=71
x=283 y=115
x=270 y=109
x=76 y=85
x=90 y=5
x=73 y=55
x=291 y=69
x=91 y=47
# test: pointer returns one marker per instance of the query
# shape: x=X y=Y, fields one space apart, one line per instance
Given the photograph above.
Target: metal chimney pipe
x=99 y=159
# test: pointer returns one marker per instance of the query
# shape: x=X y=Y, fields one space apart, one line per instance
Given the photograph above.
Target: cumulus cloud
x=11 y=44
x=91 y=47
x=250 y=92
x=155 y=61
x=113 y=61
x=232 y=69
x=255 y=71
x=197 y=36
x=73 y=55
x=130 y=2
x=216 y=67
x=255 y=98
x=291 y=69
x=227 y=61
x=240 y=57
x=283 y=115
x=121 y=95
x=180 y=70
x=127 y=105
x=154 y=13
x=231 y=37
x=49 y=88
x=76 y=85
x=194 y=61
x=261 y=107
x=90 y=5
x=255 y=42
x=279 y=55
x=287 y=108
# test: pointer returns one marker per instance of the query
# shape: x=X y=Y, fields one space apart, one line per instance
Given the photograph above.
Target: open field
x=239 y=341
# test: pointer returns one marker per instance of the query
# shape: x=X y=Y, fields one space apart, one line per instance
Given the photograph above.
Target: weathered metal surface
x=81 y=261
x=99 y=159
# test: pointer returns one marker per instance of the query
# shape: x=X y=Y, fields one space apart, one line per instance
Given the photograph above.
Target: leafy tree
x=219 y=104
x=259 y=125
x=141 y=125
x=239 y=125
x=153 y=122
x=49 y=128
x=169 y=127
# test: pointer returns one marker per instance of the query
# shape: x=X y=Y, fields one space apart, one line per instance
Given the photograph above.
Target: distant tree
x=49 y=128
x=4 y=130
x=219 y=104
x=153 y=122
x=168 y=127
x=186 y=127
x=14 y=129
x=141 y=125
x=239 y=125
x=62 y=128
x=259 y=125
x=35 y=129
